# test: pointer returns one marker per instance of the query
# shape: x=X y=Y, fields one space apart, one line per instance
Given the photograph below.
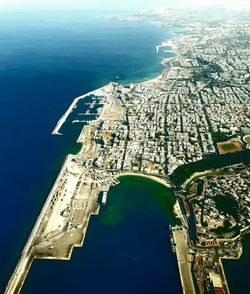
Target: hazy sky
x=115 y=4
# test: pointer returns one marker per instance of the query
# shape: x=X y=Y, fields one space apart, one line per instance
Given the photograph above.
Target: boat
x=172 y=239
x=104 y=197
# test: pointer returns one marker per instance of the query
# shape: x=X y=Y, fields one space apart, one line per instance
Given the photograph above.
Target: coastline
x=73 y=105
x=59 y=164
x=28 y=254
x=154 y=178
x=32 y=249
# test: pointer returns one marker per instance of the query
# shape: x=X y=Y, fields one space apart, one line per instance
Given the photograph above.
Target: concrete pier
x=73 y=105
x=184 y=259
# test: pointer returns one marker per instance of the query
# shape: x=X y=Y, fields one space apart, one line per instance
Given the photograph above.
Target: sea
x=47 y=58
x=237 y=270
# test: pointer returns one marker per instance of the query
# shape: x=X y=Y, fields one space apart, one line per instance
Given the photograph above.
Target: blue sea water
x=47 y=59
x=237 y=271
x=126 y=250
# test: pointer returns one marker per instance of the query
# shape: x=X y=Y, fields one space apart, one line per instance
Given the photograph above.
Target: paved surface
x=184 y=259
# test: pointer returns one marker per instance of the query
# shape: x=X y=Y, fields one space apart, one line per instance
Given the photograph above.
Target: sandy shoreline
x=157 y=179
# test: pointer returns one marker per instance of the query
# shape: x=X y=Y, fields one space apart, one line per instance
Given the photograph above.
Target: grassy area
x=247 y=139
x=228 y=147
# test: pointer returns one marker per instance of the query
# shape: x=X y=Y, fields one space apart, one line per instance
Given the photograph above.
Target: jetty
x=73 y=105
x=184 y=258
x=164 y=44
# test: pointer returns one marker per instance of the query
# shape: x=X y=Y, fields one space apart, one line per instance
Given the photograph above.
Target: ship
x=171 y=239
x=104 y=197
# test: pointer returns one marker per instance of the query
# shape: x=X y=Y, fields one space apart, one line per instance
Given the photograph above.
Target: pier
x=65 y=115
x=184 y=258
x=73 y=105
x=164 y=44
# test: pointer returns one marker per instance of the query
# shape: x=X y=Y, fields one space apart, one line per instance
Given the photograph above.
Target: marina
x=164 y=45
x=73 y=106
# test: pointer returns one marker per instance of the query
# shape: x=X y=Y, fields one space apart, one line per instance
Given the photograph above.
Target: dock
x=61 y=121
x=184 y=259
x=164 y=44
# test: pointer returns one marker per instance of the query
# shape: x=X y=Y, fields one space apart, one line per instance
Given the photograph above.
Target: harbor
x=127 y=239
x=62 y=120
